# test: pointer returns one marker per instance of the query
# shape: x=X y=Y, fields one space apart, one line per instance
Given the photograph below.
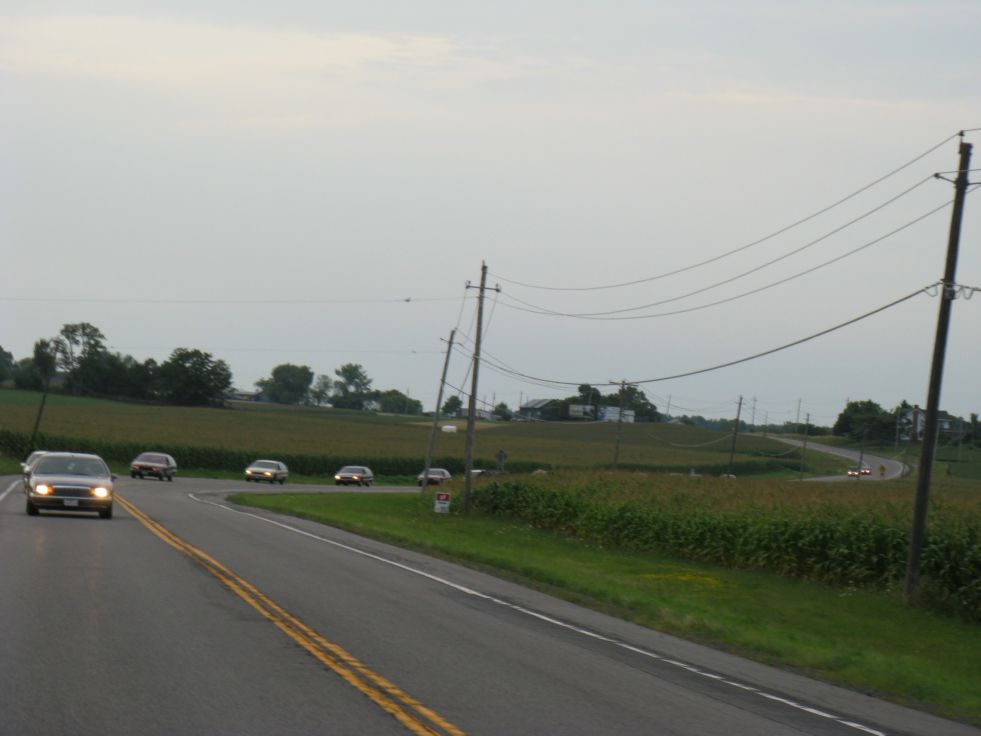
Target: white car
x=271 y=470
x=437 y=477
x=358 y=475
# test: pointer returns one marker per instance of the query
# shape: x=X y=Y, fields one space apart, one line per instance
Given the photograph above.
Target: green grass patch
x=859 y=638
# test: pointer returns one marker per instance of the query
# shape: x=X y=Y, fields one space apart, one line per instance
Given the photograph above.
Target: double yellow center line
x=408 y=711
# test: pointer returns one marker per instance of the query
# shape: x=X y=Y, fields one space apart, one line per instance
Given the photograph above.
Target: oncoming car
x=359 y=475
x=271 y=470
x=854 y=472
x=154 y=464
x=69 y=481
x=437 y=477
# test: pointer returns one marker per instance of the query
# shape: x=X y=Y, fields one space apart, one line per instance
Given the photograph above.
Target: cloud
x=178 y=53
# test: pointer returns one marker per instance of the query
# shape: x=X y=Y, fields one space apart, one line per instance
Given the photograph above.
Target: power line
x=740 y=360
x=535 y=309
x=742 y=247
x=263 y=302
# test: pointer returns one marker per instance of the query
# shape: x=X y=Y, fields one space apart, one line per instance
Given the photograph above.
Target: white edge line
x=538 y=615
x=9 y=489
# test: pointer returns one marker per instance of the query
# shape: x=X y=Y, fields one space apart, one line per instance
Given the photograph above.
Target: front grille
x=71 y=491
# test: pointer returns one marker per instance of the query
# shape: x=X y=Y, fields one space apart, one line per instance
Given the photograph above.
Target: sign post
x=442 y=503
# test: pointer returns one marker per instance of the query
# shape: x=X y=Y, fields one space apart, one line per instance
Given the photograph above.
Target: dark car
x=271 y=470
x=69 y=481
x=153 y=464
x=359 y=475
x=437 y=477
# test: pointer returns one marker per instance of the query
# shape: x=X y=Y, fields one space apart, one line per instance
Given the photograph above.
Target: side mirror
x=24 y=469
x=113 y=476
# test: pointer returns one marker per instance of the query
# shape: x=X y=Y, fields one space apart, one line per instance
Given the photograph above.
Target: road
x=185 y=615
x=894 y=468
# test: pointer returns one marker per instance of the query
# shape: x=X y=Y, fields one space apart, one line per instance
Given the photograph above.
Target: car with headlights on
x=271 y=470
x=154 y=464
x=26 y=466
x=69 y=481
x=854 y=472
x=357 y=475
x=437 y=477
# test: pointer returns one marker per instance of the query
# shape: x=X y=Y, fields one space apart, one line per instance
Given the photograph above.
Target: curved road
x=184 y=615
x=894 y=468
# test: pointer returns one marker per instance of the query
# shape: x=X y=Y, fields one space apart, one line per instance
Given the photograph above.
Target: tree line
x=78 y=362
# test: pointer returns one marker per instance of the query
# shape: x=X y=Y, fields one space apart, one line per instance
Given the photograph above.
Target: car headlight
x=42 y=489
x=267 y=473
x=337 y=477
x=100 y=492
x=248 y=472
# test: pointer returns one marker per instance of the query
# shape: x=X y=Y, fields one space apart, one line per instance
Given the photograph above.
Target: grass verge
x=862 y=639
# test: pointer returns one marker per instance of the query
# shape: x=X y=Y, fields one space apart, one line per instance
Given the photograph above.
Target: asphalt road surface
x=184 y=615
x=894 y=468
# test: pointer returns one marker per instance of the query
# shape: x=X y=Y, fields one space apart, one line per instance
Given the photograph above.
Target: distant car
x=866 y=470
x=854 y=472
x=69 y=481
x=154 y=464
x=437 y=477
x=271 y=470
x=30 y=461
x=358 y=475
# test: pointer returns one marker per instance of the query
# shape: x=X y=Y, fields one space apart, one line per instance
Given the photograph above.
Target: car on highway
x=854 y=472
x=437 y=477
x=26 y=466
x=69 y=481
x=154 y=464
x=358 y=475
x=272 y=470
x=865 y=470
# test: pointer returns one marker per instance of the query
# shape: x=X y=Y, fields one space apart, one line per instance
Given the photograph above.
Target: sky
x=317 y=183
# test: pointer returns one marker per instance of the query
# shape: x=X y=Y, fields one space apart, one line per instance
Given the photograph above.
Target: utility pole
x=947 y=295
x=472 y=405
x=616 y=449
x=797 y=421
x=752 y=421
x=735 y=433
x=766 y=422
x=861 y=454
x=439 y=402
x=803 y=449
x=667 y=412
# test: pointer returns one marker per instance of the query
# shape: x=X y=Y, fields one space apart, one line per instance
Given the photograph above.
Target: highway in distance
x=186 y=615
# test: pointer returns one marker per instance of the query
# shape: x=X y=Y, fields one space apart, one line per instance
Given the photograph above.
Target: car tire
x=282 y=481
x=31 y=509
x=170 y=478
x=132 y=475
x=106 y=513
x=368 y=483
x=161 y=478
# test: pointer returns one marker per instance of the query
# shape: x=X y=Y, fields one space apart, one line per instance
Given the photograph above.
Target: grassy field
x=860 y=638
x=271 y=429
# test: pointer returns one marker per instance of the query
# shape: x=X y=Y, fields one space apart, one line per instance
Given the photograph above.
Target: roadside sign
x=442 y=503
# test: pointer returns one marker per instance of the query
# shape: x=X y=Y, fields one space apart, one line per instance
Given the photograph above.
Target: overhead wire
x=742 y=247
x=746 y=359
x=535 y=309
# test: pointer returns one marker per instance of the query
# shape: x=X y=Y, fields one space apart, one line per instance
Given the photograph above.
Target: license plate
x=71 y=502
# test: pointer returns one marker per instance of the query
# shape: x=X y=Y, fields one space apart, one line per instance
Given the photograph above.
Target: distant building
x=538 y=408
x=912 y=423
x=612 y=414
x=582 y=411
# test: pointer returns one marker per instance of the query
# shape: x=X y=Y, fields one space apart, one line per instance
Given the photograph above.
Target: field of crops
x=264 y=429
x=838 y=533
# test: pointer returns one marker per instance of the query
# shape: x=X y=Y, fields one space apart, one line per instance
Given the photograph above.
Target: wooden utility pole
x=616 y=449
x=947 y=295
x=439 y=402
x=803 y=449
x=735 y=433
x=472 y=404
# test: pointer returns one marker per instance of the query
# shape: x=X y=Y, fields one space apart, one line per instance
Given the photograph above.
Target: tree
x=6 y=365
x=350 y=391
x=395 y=402
x=194 y=378
x=865 y=419
x=320 y=392
x=77 y=346
x=289 y=384
x=452 y=406
x=353 y=379
x=503 y=411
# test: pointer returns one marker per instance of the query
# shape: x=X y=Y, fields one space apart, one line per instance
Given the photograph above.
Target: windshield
x=264 y=464
x=87 y=466
x=149 y=457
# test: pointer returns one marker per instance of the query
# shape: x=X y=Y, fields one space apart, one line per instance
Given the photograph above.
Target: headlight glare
x=101 y=492
x=42 y=489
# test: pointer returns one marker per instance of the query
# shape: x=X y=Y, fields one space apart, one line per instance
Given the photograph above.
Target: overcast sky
x=315 y=183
